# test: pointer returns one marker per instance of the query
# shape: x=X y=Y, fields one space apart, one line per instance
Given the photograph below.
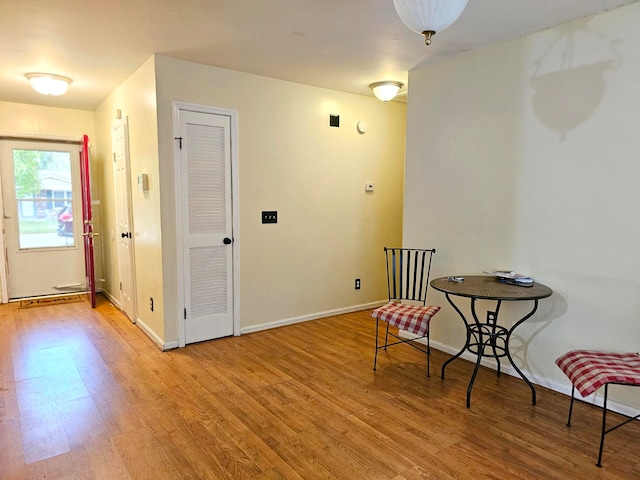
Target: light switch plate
x=270 y=216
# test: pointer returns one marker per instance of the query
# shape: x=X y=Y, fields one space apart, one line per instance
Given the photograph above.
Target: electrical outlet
x=151 y=303
x=357 y=284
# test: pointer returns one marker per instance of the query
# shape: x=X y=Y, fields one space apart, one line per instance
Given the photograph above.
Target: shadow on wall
x=565 y=97
x=550 y=310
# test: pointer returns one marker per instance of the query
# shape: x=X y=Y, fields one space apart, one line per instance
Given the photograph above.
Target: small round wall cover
x=361 y=126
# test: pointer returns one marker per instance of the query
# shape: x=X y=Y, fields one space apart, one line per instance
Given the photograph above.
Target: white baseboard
x=162 y=345
x=111 y=298
x=313 y=316
x=158 y=342
x=596 y=398
x=151 y=334
x=170 y=345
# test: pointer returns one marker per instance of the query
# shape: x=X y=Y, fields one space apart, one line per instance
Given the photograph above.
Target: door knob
x=227 y=241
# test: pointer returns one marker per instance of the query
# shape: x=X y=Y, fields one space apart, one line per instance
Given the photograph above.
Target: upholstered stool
x=588 y=370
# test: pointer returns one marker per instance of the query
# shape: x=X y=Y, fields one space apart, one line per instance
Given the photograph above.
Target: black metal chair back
x=408 y=271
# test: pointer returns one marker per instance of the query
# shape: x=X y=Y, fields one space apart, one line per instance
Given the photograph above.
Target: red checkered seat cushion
x=412 y=318
x=588 y=370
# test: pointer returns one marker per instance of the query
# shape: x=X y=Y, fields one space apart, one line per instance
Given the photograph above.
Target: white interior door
x=120 y=145
x=42 y=218
x=207 y=237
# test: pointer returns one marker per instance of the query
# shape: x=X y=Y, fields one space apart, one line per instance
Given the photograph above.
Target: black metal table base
x=488 y=339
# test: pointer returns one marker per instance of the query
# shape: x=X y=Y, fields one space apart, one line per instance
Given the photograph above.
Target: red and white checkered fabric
x=412 y=318
x=588 y=370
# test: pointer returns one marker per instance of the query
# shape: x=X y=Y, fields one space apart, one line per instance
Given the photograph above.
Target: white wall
x=136 y=100
x=525 y=156
x=50 y=122
x=329 y=231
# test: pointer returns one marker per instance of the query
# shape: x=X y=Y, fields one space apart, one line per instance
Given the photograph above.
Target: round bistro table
x=487 y=338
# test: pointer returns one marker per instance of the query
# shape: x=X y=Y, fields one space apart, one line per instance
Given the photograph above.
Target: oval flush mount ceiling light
x=386 y=90
x=49 y=84
x=429 y=16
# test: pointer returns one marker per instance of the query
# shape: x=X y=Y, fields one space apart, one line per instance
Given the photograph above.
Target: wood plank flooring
x=85 y=395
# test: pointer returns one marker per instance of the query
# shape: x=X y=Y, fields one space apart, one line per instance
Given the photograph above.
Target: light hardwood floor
x=85 y=395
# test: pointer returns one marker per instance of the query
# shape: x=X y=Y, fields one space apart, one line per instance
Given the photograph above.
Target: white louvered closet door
x=207 y=222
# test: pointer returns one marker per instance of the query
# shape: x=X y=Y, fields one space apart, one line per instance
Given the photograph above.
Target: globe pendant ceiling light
x=429 y=16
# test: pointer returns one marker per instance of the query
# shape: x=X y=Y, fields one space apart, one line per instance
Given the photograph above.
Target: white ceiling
x=338 y=44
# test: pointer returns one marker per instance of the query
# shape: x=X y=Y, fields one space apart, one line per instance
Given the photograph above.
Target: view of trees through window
x=44 y=197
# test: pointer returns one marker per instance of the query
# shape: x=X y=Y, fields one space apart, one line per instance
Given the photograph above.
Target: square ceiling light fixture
x=49 y=84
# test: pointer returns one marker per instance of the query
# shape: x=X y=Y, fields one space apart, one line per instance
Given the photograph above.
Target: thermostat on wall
x=361 y=126
x=143 y=182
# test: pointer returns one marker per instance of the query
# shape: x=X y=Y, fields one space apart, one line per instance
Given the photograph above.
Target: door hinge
x=185 y=313
x=114 y=157
x=120 y=286
x=180 y=139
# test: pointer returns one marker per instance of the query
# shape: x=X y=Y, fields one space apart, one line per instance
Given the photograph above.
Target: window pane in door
x=43 y=198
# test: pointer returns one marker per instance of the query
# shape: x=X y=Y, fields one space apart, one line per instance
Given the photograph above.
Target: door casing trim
x=26 y=140
x=21 y=137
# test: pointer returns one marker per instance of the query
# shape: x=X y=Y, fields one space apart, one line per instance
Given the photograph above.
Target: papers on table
x=512 y=278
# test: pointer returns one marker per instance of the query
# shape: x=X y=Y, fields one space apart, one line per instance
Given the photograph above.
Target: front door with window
x=41 y=200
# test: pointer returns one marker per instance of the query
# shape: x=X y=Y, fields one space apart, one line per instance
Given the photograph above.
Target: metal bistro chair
x=408 y=272
x=588 y=370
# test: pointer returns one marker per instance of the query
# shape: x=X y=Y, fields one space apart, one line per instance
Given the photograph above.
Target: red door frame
x=87 y=220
